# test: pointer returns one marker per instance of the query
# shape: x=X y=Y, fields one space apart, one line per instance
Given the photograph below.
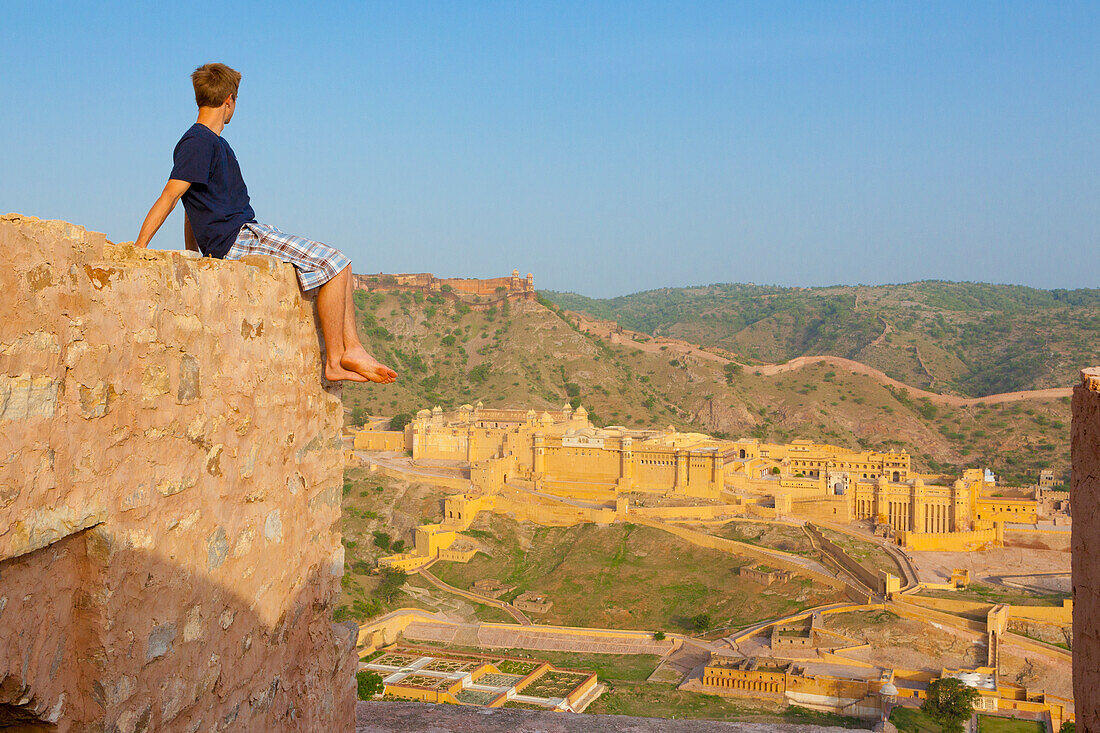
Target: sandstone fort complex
x=563 y=454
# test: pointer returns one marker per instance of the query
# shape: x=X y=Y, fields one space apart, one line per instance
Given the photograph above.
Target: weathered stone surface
x=402 y=717
x=160 y=641
x=1085 y=499
x=137 y=417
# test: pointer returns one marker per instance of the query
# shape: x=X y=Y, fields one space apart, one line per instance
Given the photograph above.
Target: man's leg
x=345 y=357
x=355 y=357
x=351 y=333
x=331 y=298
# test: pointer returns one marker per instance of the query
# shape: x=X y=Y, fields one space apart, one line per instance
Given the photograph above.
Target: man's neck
x=212 y=117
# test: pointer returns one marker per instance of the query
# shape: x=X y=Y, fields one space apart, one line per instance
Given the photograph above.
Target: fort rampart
x=169 y=493
x=472 y=291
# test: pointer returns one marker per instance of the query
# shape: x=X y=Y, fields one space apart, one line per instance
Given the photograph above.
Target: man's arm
x=161 y=209
x=189 y=236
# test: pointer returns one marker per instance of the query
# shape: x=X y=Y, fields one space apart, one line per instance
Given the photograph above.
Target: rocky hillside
x=527 y=354
x=971 y=339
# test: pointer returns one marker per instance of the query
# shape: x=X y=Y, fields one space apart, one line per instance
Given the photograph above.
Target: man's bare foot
x=359 y=361
x=338 y=374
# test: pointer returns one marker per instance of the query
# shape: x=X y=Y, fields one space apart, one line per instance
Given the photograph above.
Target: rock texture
x=170 y=478
x=1085 y=499
x=404 y=717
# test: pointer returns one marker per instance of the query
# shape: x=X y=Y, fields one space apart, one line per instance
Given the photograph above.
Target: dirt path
x=657 y=345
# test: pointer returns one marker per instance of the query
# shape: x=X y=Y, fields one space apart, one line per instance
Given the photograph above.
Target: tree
x=358 y=415
x=732 y=371
x=658 y=636
x=1068 y=727
x=701 y=622
x=480 y=373
x=369 y=683
x=400 y=420
x=950 y=703
x=392 y=580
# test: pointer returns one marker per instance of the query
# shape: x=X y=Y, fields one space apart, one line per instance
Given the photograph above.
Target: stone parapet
x=399 y=717
x=169 y=492
x=1085 y=498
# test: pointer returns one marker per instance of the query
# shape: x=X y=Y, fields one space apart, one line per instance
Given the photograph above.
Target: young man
x=219 y=222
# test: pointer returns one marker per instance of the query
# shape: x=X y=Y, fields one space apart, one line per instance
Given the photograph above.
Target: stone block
x=159 y=641
x=217 y=547
x=273 y=527
x=26 y=396
x=189 y=389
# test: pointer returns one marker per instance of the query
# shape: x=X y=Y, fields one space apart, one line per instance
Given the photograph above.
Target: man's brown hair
x=213 y=83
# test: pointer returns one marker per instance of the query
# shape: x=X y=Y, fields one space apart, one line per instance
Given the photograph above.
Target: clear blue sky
x=606 y=147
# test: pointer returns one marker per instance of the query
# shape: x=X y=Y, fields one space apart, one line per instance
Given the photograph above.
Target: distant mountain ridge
x=969 y=339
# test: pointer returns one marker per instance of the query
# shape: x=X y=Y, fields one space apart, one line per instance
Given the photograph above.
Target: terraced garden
x=554 y=684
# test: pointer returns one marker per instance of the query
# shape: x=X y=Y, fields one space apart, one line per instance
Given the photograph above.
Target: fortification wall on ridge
x=169 y=493
x=497 y=289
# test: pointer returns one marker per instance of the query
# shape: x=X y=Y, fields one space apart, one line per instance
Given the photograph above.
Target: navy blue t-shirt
x=217 y=201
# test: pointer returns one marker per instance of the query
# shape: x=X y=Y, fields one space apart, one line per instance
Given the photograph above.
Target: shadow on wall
x=75 y=625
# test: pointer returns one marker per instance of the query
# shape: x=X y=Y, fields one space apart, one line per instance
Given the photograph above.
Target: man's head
x=216 y=86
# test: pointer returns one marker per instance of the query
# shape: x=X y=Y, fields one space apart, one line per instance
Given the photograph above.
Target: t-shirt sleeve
x=192 y=160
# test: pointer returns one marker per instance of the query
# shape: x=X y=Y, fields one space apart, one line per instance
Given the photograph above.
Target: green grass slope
x=593 y=574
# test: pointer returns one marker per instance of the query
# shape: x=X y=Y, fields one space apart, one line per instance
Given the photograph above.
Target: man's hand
x=161 y=209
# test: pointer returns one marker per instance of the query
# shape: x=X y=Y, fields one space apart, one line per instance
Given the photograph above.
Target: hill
x=527 y=354
x=971 y=339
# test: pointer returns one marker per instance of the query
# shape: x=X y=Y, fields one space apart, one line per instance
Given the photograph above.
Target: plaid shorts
x=314 y=262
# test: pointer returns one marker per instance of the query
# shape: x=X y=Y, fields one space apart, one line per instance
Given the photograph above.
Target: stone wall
x=400 y=717
x=1085 y=497
x=169 y=491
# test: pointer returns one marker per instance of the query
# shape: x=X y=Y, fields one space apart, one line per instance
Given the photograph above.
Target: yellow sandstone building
x=561 y=453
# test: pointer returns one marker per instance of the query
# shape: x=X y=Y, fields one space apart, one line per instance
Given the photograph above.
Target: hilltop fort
x=473 y=291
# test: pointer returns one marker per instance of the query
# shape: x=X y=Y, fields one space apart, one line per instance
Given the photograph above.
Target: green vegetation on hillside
x=971 y=338
x=378 y=517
